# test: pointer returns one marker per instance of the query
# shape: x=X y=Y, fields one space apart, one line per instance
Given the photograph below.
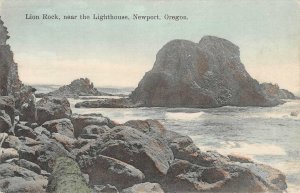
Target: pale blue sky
x=118 y=53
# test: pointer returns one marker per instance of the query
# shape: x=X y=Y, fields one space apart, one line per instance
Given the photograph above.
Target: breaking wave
x=184 y=116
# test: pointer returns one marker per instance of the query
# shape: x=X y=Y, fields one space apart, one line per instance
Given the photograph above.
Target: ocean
x=269 y=135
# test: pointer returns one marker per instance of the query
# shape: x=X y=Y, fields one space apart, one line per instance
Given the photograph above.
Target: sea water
x=269 y=135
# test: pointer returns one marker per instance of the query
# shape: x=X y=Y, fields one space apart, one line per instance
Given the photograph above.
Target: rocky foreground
x=66 y=152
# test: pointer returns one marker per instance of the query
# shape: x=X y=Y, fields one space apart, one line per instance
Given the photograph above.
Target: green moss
x=67 y=178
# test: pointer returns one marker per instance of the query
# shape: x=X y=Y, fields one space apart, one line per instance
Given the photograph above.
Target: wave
x=184 y=116
x=246 y=149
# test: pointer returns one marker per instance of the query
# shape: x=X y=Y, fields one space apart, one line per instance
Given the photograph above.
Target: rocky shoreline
x=139 y=155
x=65 y=152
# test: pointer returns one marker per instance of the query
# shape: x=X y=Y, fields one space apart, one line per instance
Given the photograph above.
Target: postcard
x=149 y=96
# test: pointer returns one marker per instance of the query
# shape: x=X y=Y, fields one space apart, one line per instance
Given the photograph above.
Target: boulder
x=43 y=153
x=150 y=127
x=15 y=179
x=47 y=152
x=95 y=129
x=103 y=170
x=81 y=121
x=50 y=108
x=8 y=105
x=67 y=142
x=11 y=142
x=272 y=178
x=239 y=158
x=135 y=148
x=67 y=177
x=144 y=187
x=61 y=126
x=29 y=165
x=5 y=122
x=8 y=153
x=186 y=177
x=184 y=148
x=22 y=130
x=204 y=74
x=105 y=189
x=41 y=131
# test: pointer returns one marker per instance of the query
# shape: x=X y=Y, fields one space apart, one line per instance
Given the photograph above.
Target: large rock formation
x=204 y=74
x=78 y=87
x=9 y=79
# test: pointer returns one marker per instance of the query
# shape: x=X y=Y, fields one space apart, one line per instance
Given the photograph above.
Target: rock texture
x=204 y=74
x=78 y=87
x=67 y=177
x=9 y=78
x=103 y=170
x=49 y=108
x=273 y=91
x=106 y=103
x=144 y=187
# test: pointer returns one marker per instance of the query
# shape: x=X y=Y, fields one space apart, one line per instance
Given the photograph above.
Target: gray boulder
x=22 y=130
x=144 y=187
x=135 y=148
x=81 y=121
x=29 y=165
x=61 y=126
x=186 y=177
x=5 y=122
x=15 y=179
x=95 y=129
x=105 y=189
x=103 y=170
x=50 y=108
x=184 y=148
x=43 y=153
x=8 y=105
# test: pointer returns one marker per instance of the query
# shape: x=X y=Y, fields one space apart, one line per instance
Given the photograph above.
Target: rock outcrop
x=78 y=87
x=9 y=78
x=205 y=74
x=273 y=91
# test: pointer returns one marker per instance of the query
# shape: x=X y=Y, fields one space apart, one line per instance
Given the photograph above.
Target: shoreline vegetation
x=100 y=155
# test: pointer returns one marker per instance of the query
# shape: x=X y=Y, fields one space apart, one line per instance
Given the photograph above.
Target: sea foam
x=184 y=116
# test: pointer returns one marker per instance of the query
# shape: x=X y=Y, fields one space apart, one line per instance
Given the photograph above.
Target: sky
x=118 y=53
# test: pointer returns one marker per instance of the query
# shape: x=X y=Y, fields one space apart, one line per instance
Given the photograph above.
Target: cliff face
x=78 y=87
x=9 y=78
x=204 y=74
